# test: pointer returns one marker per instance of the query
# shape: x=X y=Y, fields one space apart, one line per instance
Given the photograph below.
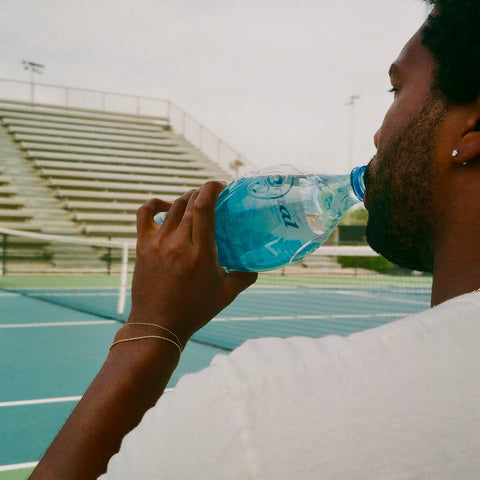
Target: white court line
x=365 y=294
x=46 y=289
x=39 y=294
x=18 y=403
x=404 y=300
x=59 y=291
x=40 y=401
x=354 y=292
x=310 y=317
x=44 y=401
x=17 y=466
x=74 y=294
x=58 y=324
x=262 y=290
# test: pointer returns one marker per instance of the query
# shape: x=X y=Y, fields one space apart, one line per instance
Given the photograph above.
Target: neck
x=455 y=273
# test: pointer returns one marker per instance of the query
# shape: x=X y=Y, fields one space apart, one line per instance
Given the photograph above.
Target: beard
x=403 y=223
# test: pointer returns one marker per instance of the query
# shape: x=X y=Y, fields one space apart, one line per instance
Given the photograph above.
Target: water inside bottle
x=268 y=221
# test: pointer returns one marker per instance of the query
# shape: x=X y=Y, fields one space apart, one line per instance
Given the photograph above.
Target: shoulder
x=356 y=397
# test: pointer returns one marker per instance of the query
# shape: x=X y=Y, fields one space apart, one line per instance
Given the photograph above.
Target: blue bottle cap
x=358 y=182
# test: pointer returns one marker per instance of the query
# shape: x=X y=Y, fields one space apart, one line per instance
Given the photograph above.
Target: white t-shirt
x=401 y=401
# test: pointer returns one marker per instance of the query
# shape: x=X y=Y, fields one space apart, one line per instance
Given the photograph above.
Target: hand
x=178 y=282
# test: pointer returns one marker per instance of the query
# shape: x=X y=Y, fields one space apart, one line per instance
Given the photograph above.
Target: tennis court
x=53 y=339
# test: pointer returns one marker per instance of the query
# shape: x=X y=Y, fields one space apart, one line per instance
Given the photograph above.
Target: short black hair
x=452 y=35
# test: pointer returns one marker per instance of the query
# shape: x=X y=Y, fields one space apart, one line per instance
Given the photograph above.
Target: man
x=398 y=402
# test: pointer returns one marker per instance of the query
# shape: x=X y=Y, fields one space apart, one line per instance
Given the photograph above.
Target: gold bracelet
x=149 y=336
x=158 y=326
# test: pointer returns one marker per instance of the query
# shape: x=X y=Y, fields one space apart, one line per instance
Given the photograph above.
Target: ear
x=469 y=145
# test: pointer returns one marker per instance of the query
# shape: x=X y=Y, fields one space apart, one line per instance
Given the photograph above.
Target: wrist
x=147 y=336
x=152 y=323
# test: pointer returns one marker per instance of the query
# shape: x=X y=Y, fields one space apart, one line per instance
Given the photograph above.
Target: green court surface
x=52 y=342
x=16 y=474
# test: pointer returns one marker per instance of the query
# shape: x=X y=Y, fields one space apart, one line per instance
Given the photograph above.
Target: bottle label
x=286 y=216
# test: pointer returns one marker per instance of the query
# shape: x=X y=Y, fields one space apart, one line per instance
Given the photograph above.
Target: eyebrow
x=394 y=70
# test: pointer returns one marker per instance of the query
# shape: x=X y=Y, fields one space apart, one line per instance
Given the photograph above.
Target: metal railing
x=164 y=110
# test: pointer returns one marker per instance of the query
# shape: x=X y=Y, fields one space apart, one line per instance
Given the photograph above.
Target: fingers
x=186 y=222
x=176 y=212
x=203 y=234
x=193 y=213
x=147 y=211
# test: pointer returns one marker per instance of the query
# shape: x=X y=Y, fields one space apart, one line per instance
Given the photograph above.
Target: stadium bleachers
x=99 y=167
x=84 y=173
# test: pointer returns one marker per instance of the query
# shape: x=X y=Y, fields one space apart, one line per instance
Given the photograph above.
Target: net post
x=109 y=261
x=123 y=280
x=4 y=254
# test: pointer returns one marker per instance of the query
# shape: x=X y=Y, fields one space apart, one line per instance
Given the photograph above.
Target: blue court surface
x=49 y=353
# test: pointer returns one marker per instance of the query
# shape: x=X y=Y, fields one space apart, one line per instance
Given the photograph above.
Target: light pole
x=351 y=103
x=34 y=68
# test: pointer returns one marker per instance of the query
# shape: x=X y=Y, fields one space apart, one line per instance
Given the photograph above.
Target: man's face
x=401 y=180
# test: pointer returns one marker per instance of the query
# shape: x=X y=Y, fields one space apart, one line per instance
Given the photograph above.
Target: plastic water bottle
x=277 y=216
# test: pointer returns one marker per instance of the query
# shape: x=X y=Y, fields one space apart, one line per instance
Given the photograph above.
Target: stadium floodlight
x=351 y=103
x=34 y=68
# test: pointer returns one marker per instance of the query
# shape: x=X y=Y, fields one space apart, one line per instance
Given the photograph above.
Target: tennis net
x=94 y=276
x=58 y=268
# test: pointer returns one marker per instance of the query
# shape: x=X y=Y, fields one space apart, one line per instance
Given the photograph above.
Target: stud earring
x=455 y=154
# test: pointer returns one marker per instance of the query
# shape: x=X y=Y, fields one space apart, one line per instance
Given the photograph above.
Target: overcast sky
x=269 y=77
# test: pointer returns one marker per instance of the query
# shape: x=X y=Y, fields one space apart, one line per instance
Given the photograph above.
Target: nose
x=375 y=138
